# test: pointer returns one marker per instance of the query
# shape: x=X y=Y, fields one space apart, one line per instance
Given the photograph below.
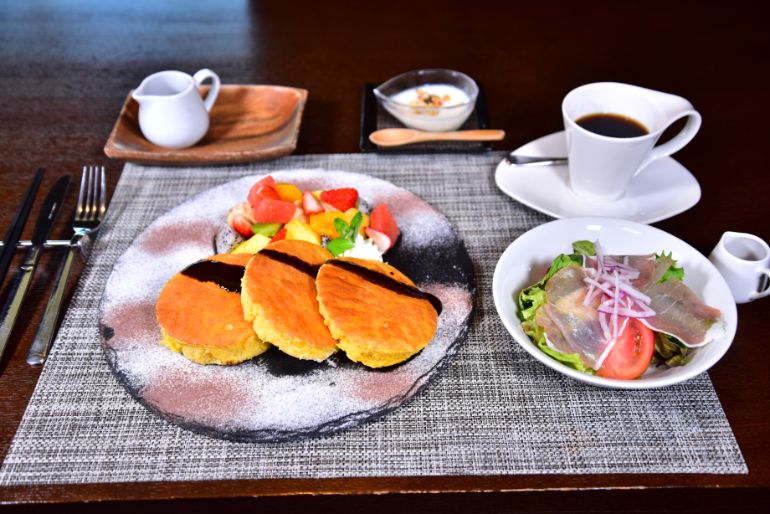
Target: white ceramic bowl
x=434 y=119
x=527 y=259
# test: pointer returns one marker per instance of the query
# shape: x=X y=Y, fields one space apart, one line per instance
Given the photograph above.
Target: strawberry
x=381 y=220
x=382 y=241
x=310 y=205
x=281 y=234
x=329 y=207
x=241 y=225
x=240 y=218
x=273 y=211
x=342 y=199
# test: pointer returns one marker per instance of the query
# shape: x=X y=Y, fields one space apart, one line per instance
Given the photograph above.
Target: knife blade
x=45 y=221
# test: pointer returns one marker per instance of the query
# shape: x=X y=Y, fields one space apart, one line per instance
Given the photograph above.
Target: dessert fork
x=90 y=209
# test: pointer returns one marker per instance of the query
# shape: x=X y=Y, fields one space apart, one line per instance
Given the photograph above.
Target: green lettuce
x=531 y=298
x=669 y=350
x=673 y=272
x=584 y=248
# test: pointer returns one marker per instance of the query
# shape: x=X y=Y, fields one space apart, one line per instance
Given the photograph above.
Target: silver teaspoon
x=523 y=160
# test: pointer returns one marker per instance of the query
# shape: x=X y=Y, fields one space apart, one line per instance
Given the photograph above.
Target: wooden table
x=67 y=66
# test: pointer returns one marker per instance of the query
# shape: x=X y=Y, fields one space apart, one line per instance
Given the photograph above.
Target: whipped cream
x=363 y=249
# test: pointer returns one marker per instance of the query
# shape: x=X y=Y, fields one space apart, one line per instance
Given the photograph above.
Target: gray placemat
x=494 y=410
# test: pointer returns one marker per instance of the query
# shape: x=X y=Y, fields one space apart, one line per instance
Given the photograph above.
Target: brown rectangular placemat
x=493 y=411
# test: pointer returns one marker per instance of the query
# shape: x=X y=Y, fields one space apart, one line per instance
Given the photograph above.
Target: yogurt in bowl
x=435 y=100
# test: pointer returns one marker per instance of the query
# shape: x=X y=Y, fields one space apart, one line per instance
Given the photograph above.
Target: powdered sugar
x=259 y=400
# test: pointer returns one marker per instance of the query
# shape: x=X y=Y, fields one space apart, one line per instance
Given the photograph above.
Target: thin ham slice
x=570 y=326
x=680 y=313
x=572 y=323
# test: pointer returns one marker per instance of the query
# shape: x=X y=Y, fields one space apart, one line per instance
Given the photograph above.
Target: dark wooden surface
x=67 y=66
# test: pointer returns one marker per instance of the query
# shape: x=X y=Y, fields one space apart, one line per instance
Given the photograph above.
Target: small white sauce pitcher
x=171 y=111
x=743 y=261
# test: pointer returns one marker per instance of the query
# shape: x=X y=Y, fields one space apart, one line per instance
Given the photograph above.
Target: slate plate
x=274 y=397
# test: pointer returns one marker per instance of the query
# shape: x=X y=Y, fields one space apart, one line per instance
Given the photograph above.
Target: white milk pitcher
x=743 y=261
x=171 y=111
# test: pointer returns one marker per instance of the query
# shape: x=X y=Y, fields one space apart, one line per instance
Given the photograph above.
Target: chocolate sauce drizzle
x=226 y=276
x=290 y=260
x=387 y=282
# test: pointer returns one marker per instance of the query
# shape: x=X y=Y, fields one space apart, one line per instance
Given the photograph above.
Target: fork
x=90 y=209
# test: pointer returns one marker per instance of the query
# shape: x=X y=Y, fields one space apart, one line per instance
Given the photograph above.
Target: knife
x=45 y=221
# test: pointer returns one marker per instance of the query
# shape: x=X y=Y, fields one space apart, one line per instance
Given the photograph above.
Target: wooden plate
x=248 y=123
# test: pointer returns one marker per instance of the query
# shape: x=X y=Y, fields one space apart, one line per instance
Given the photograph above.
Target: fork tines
x=89 y=209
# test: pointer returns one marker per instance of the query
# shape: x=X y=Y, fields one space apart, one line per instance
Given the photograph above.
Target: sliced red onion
x=632 y=291
x=628 y=312
x=605 y=326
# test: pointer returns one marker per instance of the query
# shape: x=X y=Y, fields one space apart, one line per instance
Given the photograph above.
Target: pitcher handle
x=761 y=294
x=202 y=75
x=678 y=141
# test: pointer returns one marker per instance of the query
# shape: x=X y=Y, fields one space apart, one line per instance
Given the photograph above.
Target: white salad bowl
x=527 y=259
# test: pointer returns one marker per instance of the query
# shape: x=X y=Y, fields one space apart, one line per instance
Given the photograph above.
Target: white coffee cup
x=601 y=167
x=172 y=113
x=743 y=261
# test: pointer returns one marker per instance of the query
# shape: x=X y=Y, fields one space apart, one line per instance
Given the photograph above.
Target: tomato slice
x=632 y=353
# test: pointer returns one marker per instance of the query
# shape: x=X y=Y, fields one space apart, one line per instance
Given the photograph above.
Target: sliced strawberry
x=382 y=220
x=310 y=205
x=241 y=225
x=281 y=234
x=381 y=240
x=240 y=219
x=342 y=199
x=299 y=214
x=329 y=207
x=268 y=210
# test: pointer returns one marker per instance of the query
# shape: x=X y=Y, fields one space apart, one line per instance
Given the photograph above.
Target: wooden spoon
x=405 y=136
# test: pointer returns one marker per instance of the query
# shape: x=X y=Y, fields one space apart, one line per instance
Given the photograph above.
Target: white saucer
x=664 y=189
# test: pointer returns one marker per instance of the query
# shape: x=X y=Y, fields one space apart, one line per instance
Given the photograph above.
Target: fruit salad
x=332 y=218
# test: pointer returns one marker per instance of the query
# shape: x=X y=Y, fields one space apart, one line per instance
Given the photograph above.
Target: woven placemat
x=494 y=410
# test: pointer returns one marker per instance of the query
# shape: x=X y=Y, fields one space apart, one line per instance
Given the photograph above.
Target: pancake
x=200 y=315
x=279 y=297
x=374 y=311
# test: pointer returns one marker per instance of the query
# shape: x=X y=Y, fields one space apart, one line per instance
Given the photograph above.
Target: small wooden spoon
x=404 y=136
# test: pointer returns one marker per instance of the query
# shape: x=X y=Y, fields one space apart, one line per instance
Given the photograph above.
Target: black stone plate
x=274 y=397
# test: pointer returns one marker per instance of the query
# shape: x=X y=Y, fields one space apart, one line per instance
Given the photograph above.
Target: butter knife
x=45 y=221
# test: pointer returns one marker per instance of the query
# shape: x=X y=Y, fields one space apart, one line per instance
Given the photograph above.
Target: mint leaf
x=341 y=227
x=355 y=224
x=339 y=245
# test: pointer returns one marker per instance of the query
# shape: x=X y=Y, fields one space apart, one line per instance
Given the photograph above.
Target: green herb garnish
x=347 y=235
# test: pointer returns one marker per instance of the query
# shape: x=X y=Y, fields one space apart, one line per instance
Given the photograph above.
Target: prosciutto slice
x=680 y=313
x=573 y=324
x=570 y=326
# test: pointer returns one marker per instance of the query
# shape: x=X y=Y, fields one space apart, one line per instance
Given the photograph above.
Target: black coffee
x=612 y=125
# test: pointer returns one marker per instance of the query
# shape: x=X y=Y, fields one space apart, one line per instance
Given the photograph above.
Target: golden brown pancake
x=279 y=297
x=200 y=315
x=374 y=311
